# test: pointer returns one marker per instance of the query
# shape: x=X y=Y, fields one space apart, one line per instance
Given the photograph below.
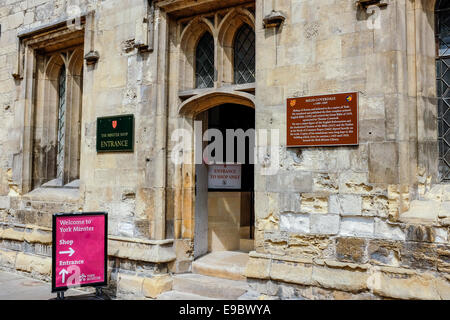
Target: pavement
x=14 y=286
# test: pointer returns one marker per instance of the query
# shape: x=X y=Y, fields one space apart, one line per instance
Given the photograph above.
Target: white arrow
x=70 y=252
x=63 y=272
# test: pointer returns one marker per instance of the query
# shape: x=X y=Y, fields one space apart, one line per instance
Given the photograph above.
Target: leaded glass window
x=61 y=123
x=204 y=62
x=244 y=55
x=443 y=85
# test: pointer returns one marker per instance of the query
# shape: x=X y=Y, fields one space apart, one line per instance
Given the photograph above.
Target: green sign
x=115 y=134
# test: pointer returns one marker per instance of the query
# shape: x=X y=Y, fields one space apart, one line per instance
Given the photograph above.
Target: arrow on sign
x=70 y=252
x=63 y=272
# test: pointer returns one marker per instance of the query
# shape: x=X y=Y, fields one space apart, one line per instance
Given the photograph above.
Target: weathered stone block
x=15 y=20
x=289 y=202
x=384 y=252
x=38 y=236
x=345 y=204
x=257 y=268
x=139 y=250
x=418 y=255
x=383 y=162
x=295 y=223
x=443 y=258
x=420 y=233
x=31 y=263
x=8 y=258
x=354 y=182
x=385 y=230
x=129 y=284
x=291 y=272
x=441 y=235
x=269 y=289
x=351 y=250
x=4 y=202
x=154 y=286
x=339 y=279
x=444 y=209
x=314 y=203
x=372 y=130
x=325 y=183
x=295 y=181
x=443 y=288
x=12 y=234
x=404 y=286
x=325 y=223
x=309 y=246
x=275 y=243
x=376 y=205
x=357 y=227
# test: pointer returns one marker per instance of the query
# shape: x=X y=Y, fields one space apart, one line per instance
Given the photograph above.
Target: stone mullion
x=216 y=59
x=70 y=149
x=161 y=119
x=27 y=125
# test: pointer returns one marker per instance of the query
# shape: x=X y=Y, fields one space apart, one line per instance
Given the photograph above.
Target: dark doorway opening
x=230 y=205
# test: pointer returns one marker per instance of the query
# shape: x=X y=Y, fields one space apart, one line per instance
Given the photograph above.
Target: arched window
x=244 y=55
x=61 y=123
x=204 y=62
x=443 y=85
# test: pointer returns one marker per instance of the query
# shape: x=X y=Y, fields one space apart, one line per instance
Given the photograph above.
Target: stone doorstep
x=209 y=287
x=222 y=264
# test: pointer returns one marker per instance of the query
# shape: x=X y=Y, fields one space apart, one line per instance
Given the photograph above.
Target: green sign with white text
x=115 y=134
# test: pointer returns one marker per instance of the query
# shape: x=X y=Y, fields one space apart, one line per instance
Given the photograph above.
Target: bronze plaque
x=328 y=120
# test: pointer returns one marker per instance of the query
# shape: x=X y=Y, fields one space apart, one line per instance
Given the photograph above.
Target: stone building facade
x=367 y=221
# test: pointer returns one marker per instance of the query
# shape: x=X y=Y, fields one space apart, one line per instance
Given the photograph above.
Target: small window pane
x=244 y=55
x=442 y=4
x=204 y=62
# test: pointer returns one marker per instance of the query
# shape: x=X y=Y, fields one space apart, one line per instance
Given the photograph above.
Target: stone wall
x=339 y=218
x=129 y=186
x=332 y=222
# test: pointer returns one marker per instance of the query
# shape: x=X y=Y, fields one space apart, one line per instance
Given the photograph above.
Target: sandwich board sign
x=79 y=251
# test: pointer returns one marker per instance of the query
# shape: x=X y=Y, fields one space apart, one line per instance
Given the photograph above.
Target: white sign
x=224 y=176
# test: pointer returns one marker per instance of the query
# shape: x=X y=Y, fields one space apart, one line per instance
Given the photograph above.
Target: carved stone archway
x=188 y=21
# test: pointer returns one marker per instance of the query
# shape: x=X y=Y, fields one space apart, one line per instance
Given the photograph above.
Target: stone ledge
x=342 y=265
x=340 y=279
x=139 y=251
x=142 y=241
x=28 y=233
x=53 y=195
x=43 y=235
x=25 y=226
x=409 y=286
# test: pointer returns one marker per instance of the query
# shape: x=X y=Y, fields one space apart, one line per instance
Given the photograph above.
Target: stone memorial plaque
x=328 y=120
